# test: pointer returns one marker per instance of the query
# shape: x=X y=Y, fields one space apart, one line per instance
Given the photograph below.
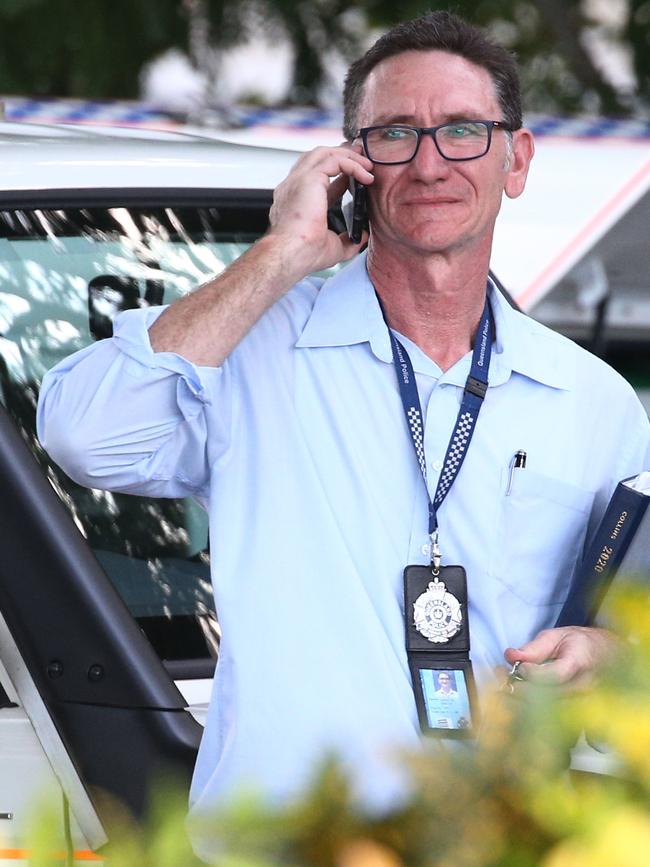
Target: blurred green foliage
x=547 y=36
x=510 y=801
x=91 y=49
x=97 y=48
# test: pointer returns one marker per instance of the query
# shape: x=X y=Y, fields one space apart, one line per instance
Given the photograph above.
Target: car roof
x=51 y=157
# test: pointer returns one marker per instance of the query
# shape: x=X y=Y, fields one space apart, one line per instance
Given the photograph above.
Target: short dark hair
x=437 y=31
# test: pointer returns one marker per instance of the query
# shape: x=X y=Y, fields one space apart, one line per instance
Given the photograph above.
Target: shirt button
x=426 y=549
x=437 y=466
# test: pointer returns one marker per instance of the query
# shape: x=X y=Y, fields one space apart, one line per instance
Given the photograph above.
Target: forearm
x=206 y=325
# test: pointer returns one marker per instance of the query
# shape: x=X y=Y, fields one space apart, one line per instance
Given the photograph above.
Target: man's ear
x=523 y=150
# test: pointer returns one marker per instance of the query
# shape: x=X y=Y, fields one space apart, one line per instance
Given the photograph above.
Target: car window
x=64 y=273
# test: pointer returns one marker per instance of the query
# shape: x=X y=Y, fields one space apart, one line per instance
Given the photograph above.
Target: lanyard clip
x=435 y=554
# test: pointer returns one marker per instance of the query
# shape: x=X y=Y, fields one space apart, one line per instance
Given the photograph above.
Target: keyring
x=514 y=676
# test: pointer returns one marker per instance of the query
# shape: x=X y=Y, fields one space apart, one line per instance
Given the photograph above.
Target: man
x=446 y=708
x=444 y=686
x=274 y=400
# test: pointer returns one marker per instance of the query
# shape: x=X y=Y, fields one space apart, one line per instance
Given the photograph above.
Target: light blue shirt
x=298 y=448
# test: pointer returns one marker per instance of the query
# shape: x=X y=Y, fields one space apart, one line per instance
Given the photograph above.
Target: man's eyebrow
x=386 y=120
x=411 y=120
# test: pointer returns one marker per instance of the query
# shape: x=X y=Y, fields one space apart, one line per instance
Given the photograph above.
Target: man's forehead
x=417 y=83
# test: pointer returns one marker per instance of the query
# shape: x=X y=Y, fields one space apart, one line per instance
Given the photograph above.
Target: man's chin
x=431 y=243
x=434 y=234
x=429 y=238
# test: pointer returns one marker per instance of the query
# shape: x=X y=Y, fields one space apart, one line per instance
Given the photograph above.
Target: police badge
x=437 y=614
x=436 y=609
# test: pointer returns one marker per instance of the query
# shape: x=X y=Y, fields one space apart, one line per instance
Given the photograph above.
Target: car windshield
x=64 y=273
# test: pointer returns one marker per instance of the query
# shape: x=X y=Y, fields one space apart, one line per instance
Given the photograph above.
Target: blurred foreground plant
x=509 y=802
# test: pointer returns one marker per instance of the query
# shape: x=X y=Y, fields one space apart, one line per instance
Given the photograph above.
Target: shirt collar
x=346 y=312
x=524 y=346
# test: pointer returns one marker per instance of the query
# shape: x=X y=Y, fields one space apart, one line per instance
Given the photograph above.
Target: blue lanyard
x=475 y=389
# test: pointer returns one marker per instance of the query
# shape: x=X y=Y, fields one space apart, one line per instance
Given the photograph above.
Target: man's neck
x=434 y=301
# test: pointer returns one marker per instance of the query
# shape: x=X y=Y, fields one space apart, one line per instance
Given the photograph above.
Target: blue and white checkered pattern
x=116 y=112
x=51 y=110
x=417 y=432
x=307 y=118
x=455 y=455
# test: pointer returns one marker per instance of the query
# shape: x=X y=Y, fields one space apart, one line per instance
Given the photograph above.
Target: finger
x=349 y=248
x=541 y=648
x=355 y=146
x=361 y=171
x=520 y=654
x=512 y=655
x=337 y=188
x=551 y=673
x=333 y=161
x=565 y=677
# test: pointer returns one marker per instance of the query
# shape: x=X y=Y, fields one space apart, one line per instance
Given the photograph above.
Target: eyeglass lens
x=455 y=141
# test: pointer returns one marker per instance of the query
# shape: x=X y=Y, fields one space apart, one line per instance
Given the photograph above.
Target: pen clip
x=518 y=462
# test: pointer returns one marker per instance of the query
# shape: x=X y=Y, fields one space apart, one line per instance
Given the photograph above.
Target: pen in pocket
x=518 y=463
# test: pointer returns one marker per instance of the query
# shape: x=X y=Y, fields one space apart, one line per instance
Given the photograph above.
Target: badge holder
x=437 y=644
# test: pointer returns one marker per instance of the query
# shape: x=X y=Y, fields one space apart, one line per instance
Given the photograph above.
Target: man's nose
x=428 y=162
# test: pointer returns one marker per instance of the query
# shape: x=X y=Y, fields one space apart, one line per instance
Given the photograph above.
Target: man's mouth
x=433 y=201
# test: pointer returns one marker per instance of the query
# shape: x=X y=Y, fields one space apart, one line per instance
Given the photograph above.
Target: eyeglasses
x=461 y=140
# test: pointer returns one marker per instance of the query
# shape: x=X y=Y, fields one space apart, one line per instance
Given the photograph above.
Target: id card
x=445 y=696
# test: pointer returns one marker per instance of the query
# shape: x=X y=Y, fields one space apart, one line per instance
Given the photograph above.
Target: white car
x=108 y=634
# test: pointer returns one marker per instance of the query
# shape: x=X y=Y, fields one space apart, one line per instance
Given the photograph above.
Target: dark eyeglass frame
x=431 y=130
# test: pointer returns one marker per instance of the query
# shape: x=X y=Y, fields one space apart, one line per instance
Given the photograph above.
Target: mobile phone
x=356 y=215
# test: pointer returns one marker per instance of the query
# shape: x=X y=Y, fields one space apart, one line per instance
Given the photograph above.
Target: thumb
x=542 y=648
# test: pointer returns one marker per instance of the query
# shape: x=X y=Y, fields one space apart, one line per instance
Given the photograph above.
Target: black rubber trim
x=190 y=669
x=145 y=196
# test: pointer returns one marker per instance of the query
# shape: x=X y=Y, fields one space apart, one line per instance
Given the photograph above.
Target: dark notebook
x=621 y=545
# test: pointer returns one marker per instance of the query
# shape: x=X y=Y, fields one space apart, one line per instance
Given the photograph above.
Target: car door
x=105 y=600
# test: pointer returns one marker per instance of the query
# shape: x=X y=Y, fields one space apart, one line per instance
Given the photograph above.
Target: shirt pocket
x=540 y=535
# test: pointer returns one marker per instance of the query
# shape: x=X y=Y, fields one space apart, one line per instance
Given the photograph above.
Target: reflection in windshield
x=64 y=274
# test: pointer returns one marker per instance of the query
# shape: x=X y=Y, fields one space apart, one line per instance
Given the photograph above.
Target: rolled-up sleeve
x=118 y=416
